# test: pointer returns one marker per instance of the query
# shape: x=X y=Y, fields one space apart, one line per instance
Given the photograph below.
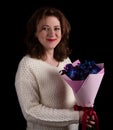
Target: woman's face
x=48 y=32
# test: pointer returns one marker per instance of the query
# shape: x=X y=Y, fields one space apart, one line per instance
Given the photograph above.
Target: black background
x=90 y=39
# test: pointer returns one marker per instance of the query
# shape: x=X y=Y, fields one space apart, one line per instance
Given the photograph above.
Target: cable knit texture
x=45 y=98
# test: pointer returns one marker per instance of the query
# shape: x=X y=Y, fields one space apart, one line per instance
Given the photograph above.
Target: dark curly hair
x=34 y=48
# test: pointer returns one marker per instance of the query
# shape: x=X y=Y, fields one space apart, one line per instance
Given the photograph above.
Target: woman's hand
x=90 y=122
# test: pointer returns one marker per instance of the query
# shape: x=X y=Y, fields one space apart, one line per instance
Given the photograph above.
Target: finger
x=92 y=117
x=92 y=122
x=88 y=125
x=88 y=117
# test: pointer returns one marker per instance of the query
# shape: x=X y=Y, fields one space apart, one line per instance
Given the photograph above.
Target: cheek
x=60 y=36
x=41 y=36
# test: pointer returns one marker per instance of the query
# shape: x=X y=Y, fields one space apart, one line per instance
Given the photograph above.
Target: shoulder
x=67 y=60
x=27 y=63
x=27 y=60
x=64 y=62
x=27 y=66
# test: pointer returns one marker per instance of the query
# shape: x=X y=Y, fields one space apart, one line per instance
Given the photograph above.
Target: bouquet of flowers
x=84 y=79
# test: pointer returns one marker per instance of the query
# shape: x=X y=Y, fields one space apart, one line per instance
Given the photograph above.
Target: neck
x=49 y=55
x=49 y=58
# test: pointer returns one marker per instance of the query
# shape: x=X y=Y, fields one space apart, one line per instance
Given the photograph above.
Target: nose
x=51 y=32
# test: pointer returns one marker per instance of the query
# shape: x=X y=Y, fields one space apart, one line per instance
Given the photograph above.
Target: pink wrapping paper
x=86 y=90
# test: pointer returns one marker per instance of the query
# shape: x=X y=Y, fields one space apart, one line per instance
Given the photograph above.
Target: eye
x=45 y=28
x=57 y=28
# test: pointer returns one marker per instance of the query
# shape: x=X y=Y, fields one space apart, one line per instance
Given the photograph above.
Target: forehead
x=49 y=20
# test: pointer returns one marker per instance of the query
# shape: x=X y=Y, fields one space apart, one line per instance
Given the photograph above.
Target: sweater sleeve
x=29 y=99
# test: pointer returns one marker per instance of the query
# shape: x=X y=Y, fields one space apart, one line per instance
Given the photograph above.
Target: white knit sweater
x=45 y=98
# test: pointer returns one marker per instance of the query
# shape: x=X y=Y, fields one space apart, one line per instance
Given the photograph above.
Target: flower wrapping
x=85 y=91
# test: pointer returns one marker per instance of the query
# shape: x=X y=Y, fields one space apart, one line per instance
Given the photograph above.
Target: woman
x=45 y=99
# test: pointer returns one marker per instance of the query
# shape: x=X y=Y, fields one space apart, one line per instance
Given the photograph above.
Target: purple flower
x=81 y=70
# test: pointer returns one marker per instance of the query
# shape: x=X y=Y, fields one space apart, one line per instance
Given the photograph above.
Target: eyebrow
x=49 y=26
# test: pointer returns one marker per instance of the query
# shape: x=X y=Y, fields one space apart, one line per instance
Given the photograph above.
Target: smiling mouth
x=51 y=40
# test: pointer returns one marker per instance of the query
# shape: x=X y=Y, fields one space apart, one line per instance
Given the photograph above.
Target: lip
x=51 y=40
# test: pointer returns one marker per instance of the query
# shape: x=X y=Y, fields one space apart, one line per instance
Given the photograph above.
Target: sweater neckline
x=50 y=64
